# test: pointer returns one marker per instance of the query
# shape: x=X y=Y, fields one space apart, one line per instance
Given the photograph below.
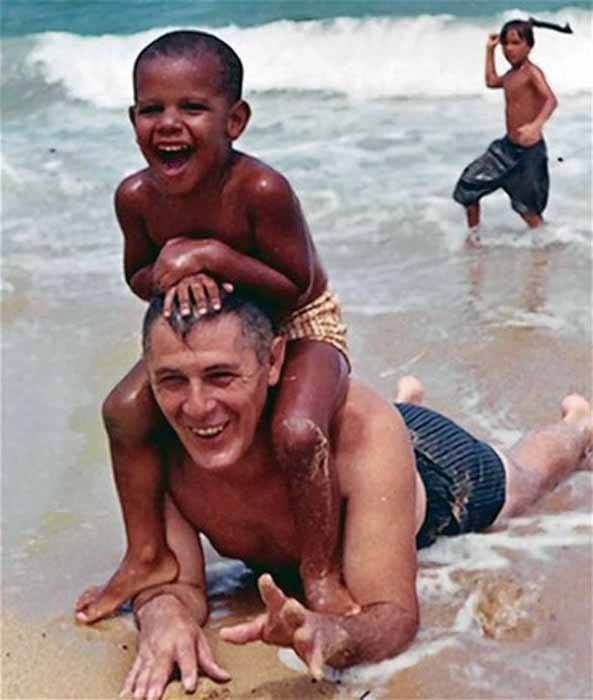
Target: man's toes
x=575 y=405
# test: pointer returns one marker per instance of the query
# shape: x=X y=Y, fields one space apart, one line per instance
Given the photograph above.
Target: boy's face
x=183 y=121
x=515 y=48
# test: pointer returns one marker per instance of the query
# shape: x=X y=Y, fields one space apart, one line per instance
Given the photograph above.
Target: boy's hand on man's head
x=199 y=290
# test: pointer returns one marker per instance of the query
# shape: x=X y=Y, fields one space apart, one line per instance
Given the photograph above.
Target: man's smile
x=210 y=431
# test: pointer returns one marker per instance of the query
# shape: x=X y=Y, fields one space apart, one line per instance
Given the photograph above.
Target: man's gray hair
x=256 y=324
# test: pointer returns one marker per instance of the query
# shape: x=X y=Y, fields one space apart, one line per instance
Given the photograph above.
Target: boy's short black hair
x=194 y=43
x=256 y=321
x=524 y=29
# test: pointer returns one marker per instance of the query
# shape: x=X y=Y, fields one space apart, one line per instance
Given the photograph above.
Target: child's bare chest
x=226 y=221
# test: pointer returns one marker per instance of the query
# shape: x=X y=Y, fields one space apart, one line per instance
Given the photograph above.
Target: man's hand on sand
x=286 y=623
x=169 y=638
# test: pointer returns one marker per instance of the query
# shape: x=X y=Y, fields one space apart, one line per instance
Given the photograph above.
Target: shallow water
x=499 y=334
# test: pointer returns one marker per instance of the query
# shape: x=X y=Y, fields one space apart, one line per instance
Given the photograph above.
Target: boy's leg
x=133 y=419
x=544 y=457
x=313 y=386
x=473 y=215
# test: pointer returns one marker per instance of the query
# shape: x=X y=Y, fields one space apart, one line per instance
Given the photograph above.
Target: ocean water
x=371 y=109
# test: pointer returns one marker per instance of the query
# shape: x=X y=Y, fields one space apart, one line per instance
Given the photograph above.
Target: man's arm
x=380 y=559
x=493 y=80
x=380 y=563
x=170 y=618
x=140 y=252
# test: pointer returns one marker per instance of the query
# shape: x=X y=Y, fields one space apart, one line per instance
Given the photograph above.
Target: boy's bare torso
x=227 y=214
x=523 y=101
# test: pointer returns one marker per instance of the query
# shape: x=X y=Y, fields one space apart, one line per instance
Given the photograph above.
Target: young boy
x=201 y=218
x=518 y=162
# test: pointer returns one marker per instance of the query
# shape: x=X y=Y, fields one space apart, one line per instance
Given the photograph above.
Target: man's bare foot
x=131 y=577
x=577 y=412
x=328 y=595
x=410 y=390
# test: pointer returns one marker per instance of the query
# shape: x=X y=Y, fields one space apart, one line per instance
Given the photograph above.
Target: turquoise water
x=91 y=18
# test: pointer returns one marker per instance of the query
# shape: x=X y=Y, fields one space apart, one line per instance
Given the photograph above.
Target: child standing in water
x=201 y=218
x=517 y=163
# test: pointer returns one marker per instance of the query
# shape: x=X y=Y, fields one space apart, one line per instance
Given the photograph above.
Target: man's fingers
x=208 y=664
x=293 y=614
x=309 y=646
x=156 y=680
x=130 y=681
x=272 y=596
x=245 y=632
x=188 y=666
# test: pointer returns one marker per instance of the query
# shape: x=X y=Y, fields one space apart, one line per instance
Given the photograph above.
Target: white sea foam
x=437 y=583
x=430 y=55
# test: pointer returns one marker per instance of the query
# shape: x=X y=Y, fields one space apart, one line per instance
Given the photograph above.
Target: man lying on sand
x=405 y=476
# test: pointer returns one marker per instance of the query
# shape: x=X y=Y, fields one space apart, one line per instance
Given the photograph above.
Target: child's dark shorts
x=521 y=172
x=464 y=478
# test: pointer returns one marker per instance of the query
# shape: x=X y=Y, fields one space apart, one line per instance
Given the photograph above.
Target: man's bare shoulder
x=135 y=192
x=365 y=418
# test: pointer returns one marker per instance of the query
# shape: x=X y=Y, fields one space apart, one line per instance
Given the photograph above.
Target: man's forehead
x=221 y=337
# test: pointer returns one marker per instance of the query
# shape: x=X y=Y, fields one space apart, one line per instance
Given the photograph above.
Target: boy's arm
x=280 y=267
x=170 y=618
x=529 y=134
x=493 y=80
x=379 y=565
x=140 y=252
x=541 y=86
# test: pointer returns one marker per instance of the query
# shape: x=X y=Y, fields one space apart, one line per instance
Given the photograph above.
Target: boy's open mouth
x=174 y=157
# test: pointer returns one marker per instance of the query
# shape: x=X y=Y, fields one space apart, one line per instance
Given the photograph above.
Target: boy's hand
x=200 y=290
x=181 y=257
x=529 y=134
x=493 y=41
x=315 y=638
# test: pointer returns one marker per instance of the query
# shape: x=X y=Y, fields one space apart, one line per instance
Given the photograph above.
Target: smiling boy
x=203 y=216
x=517 y=163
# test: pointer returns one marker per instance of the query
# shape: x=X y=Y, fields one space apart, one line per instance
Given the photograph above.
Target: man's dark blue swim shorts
x=464 y=477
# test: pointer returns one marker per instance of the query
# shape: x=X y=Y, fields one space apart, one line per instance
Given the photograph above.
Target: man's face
x=183 y=121
x=515 y=48
x=211 y=387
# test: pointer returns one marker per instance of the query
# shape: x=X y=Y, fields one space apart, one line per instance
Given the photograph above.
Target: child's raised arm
x=493 y=80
